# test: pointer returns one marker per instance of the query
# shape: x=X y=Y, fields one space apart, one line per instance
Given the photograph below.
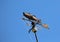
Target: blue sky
x=13 y=29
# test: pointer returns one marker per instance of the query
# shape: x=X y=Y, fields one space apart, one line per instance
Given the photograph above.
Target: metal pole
x=36 y=37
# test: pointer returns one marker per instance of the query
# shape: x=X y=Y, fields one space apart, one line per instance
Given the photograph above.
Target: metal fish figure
x=33 y=18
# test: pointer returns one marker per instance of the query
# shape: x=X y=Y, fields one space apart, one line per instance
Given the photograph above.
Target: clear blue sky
x=13 y=29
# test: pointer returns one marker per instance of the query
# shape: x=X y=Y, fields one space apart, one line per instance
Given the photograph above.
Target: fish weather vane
x=34 y=21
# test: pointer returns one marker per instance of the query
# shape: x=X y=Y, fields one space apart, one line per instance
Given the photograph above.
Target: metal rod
x=36 y=37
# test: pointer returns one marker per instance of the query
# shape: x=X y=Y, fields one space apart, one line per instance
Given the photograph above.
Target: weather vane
x=34 y=21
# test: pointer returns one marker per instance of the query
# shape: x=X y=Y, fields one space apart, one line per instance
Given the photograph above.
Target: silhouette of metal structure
x=34 y=21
